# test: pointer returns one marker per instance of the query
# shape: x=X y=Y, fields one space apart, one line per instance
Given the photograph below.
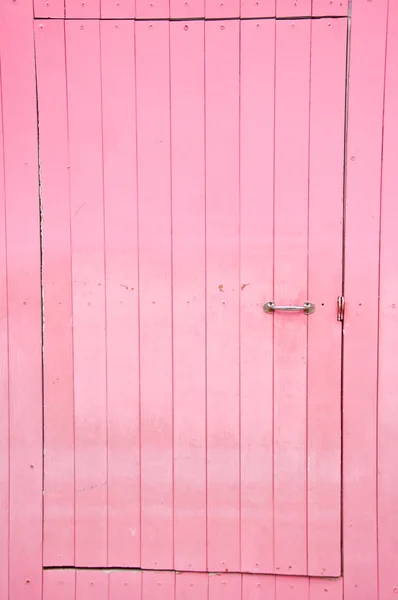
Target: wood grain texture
x=121 y=285
x=292 y=94
x=256 y=281
x=189 y=299
x=21 y=413
x=364 y=155
x=222 y=295
x=155 y=278
x=326 y=163
x=88 y=288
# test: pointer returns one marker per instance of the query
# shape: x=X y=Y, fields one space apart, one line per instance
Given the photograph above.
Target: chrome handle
x=307 y=308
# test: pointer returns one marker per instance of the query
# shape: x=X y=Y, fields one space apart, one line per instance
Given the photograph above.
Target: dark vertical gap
x=41 y=296
x=347 y=81
x=378 y=308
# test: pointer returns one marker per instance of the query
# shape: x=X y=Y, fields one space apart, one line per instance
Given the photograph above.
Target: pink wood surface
x=59 y=485
x=185 y=9
x=92 y=585
x=21 y=412
x=292 y=588
x=88 y=275
x=321 y=588
x=158 y=585
x=118 y=9
x=327 y=111
x=54 y=9
x=82 y=9
x=388 y=329
x=125 y=585
x=189 y=302
x=329 y=8
x=293 y=8
x=4 y=381
x=60 y=585
x=364 y=153
x=219 y=9
x=225 y=587
x=152 y=585
x=223 y=281
x=257 y=8
x=258 y=587
x=154 y=193
x=122 y=319
x=152 y=9
x=292 y=88
x=191 y=586
x=256 y=281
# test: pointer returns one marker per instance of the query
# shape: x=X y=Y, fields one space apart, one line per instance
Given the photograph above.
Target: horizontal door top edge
x=188 y=9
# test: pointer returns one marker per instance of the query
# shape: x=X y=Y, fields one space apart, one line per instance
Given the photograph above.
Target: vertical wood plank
x=117 y=9
x=121 y=243
x=219 y=9
x=293 y=8
x=256 y=281
x=92 y=585
x=59 y=485
x=153 y=131
x=186 y=9
x=327 y=111
x=158 y=585
x=292 y=588
x=333 y=588
x=59 y=584
x=258 y=587
x=125 y=585
x=290 y=287
x=152 y=9
x=191 y=586
x=222 y=231
x=189 y=339
x=388 y=329
x=87 y=217
x=257 y=8
x=4 y=380
x=365 y=116
x=24 y=299
x=225 y=586
x=49 y=9
x=329 y=8
x=82 y=9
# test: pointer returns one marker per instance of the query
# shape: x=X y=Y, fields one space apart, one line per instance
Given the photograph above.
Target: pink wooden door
x=192 y=171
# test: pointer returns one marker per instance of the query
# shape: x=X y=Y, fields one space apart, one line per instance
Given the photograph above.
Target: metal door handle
x=307 y=308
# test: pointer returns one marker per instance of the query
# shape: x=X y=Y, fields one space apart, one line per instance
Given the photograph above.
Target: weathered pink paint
x=187 y=9
x=106 y=117
x=191 y=434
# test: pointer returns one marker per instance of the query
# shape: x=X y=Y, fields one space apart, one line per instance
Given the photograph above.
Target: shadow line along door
x=191 y=172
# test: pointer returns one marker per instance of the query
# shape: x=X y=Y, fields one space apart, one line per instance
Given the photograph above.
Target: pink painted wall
x=370 y=443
